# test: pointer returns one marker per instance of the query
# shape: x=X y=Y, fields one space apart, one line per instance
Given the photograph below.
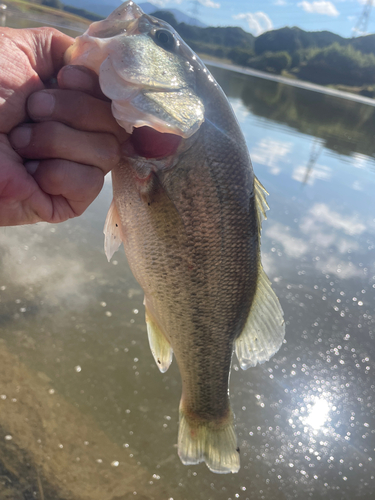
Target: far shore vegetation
x=319 y=57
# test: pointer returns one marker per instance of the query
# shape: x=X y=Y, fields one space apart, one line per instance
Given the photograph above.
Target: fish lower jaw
x=129 y=118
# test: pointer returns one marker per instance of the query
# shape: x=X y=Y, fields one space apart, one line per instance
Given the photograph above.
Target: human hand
x=75 y=143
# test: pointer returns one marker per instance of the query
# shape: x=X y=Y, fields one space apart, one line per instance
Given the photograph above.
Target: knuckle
x=109 y=149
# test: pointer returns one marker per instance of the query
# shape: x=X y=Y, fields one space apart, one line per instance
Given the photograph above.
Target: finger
x=72 y=186
x=48 y=140
x=76 y=109
x=28 y=58
x=50 y=47
x=44 y=48
x=73 y=77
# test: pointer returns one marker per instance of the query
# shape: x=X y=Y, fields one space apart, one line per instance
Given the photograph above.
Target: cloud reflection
x=306 y=176
x=45 y=271
x=270 y=153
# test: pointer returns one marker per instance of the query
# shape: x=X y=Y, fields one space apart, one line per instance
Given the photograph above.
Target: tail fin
x=210 y=442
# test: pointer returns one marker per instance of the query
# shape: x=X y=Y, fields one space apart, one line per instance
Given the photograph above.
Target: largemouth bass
x=188 y=209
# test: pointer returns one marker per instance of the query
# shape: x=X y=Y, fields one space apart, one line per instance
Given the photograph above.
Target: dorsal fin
x=264 y=329
x=260 y=202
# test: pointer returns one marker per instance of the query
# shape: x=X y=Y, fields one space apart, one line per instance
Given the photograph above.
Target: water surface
x=81 y=398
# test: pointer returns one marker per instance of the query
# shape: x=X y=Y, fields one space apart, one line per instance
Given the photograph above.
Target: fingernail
x=75 y=77
x=20 y=137
x=41 y=104
x=31 y=166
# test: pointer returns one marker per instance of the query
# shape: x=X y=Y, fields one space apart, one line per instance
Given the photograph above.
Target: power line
x=361 y=26
x=194 y=8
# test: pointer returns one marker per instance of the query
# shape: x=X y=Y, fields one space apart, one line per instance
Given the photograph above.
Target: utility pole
x=194 y=9
x=361 y=26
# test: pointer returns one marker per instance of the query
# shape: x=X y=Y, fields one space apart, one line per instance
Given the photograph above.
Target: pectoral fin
x=160 y=347
x=112 y=232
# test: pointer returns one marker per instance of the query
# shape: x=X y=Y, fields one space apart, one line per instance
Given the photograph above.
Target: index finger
x=76 y=109
x=72 y=77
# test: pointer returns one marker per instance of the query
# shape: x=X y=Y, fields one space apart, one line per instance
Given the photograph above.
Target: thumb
x=44 y=48
x=28 y=57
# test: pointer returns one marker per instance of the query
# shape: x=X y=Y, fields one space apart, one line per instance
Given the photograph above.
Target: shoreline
x=294 y=83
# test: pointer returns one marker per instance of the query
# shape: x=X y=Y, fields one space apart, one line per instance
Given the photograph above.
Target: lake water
x=84 y=411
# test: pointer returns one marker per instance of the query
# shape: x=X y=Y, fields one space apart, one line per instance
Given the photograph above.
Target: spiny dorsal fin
x=260 y=202
x=264 y=330
x=160 y=347
x=112 y=231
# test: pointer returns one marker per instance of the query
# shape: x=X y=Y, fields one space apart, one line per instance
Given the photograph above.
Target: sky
x=257 y=16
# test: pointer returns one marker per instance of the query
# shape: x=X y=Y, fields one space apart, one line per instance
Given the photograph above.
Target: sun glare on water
x=318 y=414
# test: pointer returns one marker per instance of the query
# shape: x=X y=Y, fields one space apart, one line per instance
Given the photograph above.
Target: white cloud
x=321 y=213
x=209 y=3
x=320 y=172
x=319 y=7
x=258 y=22
x=343 y=270
x=269 y=264
x=163 y=3
x=294 y=247
x=270 y=152
x=357 y=186
x=345 y=245
x=360 y=161
x=51 y=276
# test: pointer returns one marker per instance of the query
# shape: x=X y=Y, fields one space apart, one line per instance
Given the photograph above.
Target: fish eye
x=165 y=39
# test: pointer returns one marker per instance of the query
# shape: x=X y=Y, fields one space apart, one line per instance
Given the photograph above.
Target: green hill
x=293 y=39
x=320 y=57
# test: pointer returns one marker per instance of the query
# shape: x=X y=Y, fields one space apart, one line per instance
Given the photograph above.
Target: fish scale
x=190 y=221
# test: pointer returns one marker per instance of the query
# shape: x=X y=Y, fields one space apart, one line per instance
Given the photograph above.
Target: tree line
x=320 y=57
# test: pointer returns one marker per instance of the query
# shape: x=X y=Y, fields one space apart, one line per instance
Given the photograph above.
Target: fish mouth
x=150 y=143
x=152 y=89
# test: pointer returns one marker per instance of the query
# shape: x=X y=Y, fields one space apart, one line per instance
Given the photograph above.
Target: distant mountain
x=149 y=8
x=230 y=36
x=292 y=39
x=365 y=44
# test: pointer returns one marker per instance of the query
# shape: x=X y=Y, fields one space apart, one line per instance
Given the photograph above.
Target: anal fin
x=112 y=231
x=264 y=330
x=160 y=347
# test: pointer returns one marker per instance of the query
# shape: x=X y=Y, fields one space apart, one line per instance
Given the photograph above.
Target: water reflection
x=318 y=414
x=73 y=334
x=328 y=118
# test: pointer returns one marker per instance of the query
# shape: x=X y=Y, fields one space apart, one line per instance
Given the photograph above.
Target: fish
x=188 y=209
